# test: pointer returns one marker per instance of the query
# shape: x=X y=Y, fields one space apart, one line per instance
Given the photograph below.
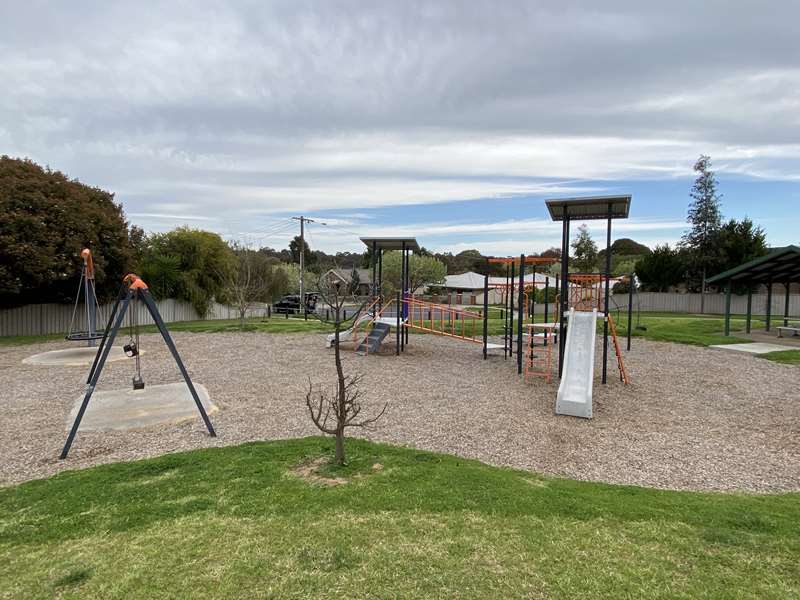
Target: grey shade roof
x=590 y=207
x=391 y=243
x=781 y=265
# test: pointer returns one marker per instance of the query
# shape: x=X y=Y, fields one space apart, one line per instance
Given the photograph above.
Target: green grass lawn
x=698 y=330
x=787 y=357
x=276 y=324
x=237 y=523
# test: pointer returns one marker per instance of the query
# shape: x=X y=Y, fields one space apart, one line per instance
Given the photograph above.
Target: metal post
x=546 y=302
x=728 y=308
x=786 y=305
x=151 y=307
x=749 y=309
x=123 y=292
x=511 y=314
x=630 y=309
x=95 y=373
x=521 y=308
x=374 y=257
x=380 y=278
x=607 y=295
x=397 y=326
x=303 y=220
x=564 y=299
x=485 y=316
x=403 y=306
x=91 y=307
x=769 y=305
x=506 y=295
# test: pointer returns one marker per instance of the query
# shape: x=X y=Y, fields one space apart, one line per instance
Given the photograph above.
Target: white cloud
x=235 y=113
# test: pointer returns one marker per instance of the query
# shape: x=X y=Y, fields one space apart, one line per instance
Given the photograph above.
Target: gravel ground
x=693 y=418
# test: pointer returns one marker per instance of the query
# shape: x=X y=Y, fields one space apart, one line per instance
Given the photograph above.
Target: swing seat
x=83 y=336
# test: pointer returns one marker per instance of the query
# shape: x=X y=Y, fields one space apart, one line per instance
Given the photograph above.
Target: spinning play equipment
x=89 y=333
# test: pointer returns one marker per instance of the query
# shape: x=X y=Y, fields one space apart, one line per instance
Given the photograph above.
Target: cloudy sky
x=451 y=121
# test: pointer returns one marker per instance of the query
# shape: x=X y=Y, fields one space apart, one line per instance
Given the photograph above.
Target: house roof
x=364 y=275
x=781 y=265
x=589 y=207
x=465 y=281
x=474 y=281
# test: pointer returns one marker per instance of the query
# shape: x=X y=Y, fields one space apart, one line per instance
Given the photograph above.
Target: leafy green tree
x=253 y=278
x=292 y=278
x=739 y=242
x=46 y=219
x=309 y=258
x=705 y=218
x=204 y=259
x=663 y=268
x=584 y=251
x=423 y=270
x=162 y=272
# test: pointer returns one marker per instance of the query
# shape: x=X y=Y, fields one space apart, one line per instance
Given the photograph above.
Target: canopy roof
x=587 y=208
x=781 y=266
x=391 y=243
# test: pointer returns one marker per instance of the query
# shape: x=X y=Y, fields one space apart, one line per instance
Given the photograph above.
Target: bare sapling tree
x=248 y=280
x=333 y=411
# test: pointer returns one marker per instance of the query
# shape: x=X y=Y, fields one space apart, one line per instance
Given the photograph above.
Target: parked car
x=291 y=304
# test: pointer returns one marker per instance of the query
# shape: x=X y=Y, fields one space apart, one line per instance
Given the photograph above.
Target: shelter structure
x=377 y=246
x=567 y=210
x=781 y=266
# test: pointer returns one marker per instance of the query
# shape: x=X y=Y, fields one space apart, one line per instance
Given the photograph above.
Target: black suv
x=291 y=304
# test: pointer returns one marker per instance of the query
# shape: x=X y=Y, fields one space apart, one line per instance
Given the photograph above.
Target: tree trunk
x=340 y=396
x=340 y=458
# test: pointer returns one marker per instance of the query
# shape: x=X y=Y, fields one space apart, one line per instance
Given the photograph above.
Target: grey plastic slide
x=577 y=376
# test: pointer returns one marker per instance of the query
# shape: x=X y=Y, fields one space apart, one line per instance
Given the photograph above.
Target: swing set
x=132 y=291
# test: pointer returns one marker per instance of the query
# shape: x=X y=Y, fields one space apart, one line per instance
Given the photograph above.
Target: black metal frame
x=554 y=206
x=121 y=305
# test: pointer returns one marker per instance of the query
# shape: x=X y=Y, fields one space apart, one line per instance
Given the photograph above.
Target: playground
x=492 y=383
x=688 y=420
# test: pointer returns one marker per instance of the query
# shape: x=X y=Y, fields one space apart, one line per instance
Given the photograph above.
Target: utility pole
x=303 y=220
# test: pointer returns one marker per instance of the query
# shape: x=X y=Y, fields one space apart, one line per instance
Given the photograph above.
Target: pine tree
x=585 y=251
x=705 y=217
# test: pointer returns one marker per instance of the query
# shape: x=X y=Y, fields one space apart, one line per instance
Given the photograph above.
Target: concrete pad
x=81 y=356
x=754 y=347
x=132 y=409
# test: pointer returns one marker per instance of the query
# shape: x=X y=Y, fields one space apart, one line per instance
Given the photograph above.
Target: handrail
x=358 y=322
x=371 y=321
x=452 y=314
x=412 y=300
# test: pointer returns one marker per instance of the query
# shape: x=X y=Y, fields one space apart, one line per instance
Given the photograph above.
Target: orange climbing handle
x=86 y=255
x=134 y=282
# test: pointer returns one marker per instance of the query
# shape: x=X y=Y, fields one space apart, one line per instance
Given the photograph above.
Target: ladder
x=623 y=374
x=539 y=356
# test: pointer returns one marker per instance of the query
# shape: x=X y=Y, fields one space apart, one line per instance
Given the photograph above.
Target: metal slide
x=577 y=377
